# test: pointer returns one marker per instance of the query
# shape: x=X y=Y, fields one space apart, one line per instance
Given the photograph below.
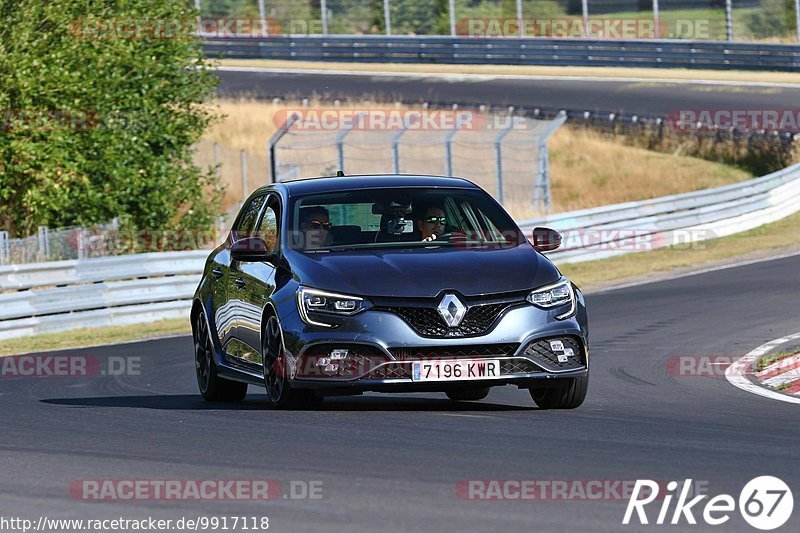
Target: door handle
x=239 y=283
x=217 y=273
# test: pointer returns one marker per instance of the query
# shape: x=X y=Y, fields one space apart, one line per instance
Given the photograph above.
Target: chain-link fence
x=741 y=20
x=504 y=154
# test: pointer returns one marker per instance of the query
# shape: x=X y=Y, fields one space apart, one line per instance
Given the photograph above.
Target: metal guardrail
x=48 y=297
x=718 y=55
x=678 y=219
x=108 y=291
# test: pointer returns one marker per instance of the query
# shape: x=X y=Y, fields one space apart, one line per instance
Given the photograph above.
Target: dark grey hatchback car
x=333 y=286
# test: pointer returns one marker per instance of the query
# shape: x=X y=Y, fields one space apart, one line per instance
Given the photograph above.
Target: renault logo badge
x=452 y=310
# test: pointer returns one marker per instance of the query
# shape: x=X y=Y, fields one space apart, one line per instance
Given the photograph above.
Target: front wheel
x=212 y=387
x=279 y=392
x=567 y=396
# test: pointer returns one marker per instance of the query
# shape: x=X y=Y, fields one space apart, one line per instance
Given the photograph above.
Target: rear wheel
x=212 y=387
x=279 y=391
x=468 y=395
x=567 y=396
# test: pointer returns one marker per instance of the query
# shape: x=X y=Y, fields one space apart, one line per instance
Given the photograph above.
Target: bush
x=99 y=125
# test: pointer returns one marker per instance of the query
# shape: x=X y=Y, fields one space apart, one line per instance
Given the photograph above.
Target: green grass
x=764 y=240
x=764 y=362
x=78 y=338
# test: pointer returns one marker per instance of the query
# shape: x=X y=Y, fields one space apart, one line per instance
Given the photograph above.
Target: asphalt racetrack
x=391 y=462
x=646 y=97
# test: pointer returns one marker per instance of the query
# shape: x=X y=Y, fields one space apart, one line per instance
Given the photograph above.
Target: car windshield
x=399 y=218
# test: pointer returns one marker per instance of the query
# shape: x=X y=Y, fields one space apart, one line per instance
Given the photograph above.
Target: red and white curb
x=737 y=373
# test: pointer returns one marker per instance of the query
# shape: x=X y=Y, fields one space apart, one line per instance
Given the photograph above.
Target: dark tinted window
x=247 y=222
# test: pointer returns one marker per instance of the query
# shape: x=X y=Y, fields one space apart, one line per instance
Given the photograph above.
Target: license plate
x=466 y=369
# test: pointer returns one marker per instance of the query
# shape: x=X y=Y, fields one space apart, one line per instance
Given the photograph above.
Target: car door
x=245 y=226
x=255 y=282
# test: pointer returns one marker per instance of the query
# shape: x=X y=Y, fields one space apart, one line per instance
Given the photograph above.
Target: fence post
x=273 y=142
x=396 y=150
x=244 y=175
x=729 y=20
x=585 y=9
x=519 y=17
x=81 y=243
x=498 y=156
x=452 y=18
x=656 y=15
x=44 y=244
x=797 y=18
x=340 y=141
x=448 y=152
x=323 y=7
x=5 y=255
x=387 y=16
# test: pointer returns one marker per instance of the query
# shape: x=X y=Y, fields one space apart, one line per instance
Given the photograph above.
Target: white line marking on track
x=489 y=77
x=736 y=373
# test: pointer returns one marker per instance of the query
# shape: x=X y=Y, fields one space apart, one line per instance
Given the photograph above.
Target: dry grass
x=80 y=338
x=540 y=71
x=587 y=169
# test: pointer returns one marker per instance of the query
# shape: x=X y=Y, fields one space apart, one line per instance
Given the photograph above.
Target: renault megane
x=342 y=285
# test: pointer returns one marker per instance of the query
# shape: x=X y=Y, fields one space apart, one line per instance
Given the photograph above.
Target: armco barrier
x=676 y=219
x=512 y=51
x=108 y=291
x=49 y=297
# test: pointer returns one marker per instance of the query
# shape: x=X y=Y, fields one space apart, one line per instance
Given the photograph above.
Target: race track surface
x=390 y=463
x=635 y=97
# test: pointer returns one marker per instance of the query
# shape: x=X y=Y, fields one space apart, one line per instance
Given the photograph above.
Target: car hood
x=424 y=272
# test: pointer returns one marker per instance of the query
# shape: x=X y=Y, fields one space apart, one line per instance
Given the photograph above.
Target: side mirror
x=251 y=249
x=546 y=239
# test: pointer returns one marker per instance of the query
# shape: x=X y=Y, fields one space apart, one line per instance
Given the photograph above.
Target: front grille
x=517 y=366
x=455 y=352
x=543 y=354
x=427 y=321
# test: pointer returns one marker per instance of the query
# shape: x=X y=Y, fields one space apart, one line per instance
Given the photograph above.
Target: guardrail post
x=5 y=255
x=44 y=243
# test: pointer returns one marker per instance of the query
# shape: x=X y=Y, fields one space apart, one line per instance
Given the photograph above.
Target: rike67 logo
x=765 y=503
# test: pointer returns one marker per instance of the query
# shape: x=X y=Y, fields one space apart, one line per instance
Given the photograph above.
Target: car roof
x=371 y=181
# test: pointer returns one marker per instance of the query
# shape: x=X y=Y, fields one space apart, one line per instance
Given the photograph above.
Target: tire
x=568 y=396
x=279 y=391
x=213 y=388
x=468 y=395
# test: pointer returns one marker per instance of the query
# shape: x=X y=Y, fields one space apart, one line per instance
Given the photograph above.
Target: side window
x=247 y=223
x=268 y=229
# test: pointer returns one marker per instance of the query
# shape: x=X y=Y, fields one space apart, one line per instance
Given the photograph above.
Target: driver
x=314 y=223
x=432 y=222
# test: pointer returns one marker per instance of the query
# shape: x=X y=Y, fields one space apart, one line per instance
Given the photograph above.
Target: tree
x=102 y=101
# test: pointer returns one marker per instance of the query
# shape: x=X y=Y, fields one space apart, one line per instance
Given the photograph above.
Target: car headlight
x=314 y=305
x=557 y=294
